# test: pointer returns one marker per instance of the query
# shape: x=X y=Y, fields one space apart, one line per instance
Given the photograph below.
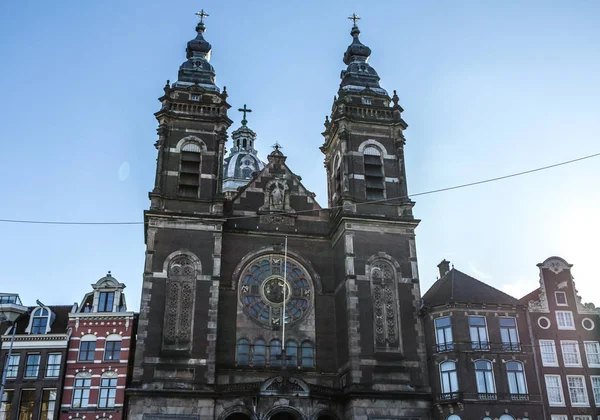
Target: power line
x=435 y=191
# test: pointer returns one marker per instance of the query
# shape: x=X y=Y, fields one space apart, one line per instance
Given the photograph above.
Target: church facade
x=257 y=303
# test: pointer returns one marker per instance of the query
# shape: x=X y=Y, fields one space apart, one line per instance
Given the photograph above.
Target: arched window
x=87 y=348
x=453 y=417
x=189 y=170
x=291 y=353
x=506 y=417
x=108 y=390
x=81 y=390
x=374 y=178
x=336 y=173
x=307 y=355
x=517 y=385
x=40 y=321
x=448 y=379
x=484 y=377
x=180 y=297
x=243 y=352
x=258 y=355
x=275 y=353
x=385 y=305
x=112 y=347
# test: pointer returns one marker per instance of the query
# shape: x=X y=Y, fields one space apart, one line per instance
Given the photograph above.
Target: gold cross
x=202 y=14
x=354 y=18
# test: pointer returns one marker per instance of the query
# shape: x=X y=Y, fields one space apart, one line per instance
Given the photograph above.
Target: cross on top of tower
x=202 y=14
x=354 y=18
x=244 y=110
x=277 y=146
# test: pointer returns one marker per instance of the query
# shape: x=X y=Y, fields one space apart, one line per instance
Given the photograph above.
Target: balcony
x=444 y=347
x=470 y=346
x=480 y=345
x=448 y=397
x=518 y=397
x=511 y=346
x=515 y=398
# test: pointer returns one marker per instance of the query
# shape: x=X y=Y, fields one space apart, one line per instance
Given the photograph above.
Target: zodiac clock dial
x=267 y=297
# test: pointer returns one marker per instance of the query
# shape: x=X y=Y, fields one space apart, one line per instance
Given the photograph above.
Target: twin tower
x=258 y=303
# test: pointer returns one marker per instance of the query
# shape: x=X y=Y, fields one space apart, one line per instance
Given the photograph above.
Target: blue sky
x=488 y=88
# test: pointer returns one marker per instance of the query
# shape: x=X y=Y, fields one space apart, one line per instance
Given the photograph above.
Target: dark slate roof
x=456 y=286
x=59 y=325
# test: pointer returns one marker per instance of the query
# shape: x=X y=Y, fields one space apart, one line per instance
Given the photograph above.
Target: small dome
x=241 y=166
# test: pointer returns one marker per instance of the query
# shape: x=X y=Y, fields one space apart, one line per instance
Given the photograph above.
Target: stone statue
x=277 y=194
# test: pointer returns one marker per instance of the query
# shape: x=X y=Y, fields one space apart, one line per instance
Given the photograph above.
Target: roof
x=534 y=295
x=456 y=286
x=59 y=325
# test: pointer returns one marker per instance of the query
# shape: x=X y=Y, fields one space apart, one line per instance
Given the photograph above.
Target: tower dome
x=242 y=163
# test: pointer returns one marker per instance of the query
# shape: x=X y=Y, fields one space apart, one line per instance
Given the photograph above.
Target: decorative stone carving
x=277 y=196
x=179 y=303
x=385 y=304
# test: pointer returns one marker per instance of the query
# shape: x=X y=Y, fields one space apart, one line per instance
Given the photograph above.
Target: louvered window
x=189 y=171
x=374 y=179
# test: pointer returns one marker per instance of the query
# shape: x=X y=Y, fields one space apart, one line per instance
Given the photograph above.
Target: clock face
x=270 y=291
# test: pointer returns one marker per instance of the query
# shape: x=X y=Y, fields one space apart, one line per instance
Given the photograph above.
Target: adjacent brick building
x=566 y=334
x=99 y=354
x=35 y=369
x=481 y=358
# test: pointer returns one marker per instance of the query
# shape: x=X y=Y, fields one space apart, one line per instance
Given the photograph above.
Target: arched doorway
x=325 y=417
x=282 y=415
x=238 y=416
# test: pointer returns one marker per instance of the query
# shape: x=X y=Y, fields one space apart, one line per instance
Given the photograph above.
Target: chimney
x=444 y=267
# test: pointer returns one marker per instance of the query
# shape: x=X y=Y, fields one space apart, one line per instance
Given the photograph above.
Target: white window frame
x=595 y=389
x=481 y=345
x=557 y=294
x=585 y=393
x=451 y=378
x=559 y=417
x=551 y=403
x=546 y=344
x=46 y=374
x=562 y=349
x=582 y=417
x=565 y=327
x=11 y=367
x=587 y=354
x=509 y=345
x=447 y=345
x=34 y=316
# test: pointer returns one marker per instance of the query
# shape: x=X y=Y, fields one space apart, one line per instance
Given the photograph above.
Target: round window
x=588 y=324
x=544 y=322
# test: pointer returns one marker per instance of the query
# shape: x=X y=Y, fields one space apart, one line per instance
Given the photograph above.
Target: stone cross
x=244 y=110
x=354 y=18
x=202 y=14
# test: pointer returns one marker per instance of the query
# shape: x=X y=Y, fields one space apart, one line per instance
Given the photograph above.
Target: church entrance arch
x=283 y=415
x=238 y=416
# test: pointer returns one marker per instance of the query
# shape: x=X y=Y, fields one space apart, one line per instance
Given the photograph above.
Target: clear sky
x=488 y=88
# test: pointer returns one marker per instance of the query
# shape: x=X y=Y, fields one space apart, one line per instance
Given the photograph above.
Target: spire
x=359 y=74
x=197 y=68
x=243 y=137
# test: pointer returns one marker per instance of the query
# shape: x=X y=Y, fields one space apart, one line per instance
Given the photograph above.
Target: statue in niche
x=277 y=197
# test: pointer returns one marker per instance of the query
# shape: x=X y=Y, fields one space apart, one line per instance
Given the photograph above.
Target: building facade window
x=564 y=320
x=48 y=404
x=374 y=178
x=577 y=390
x=6 y=404
x=592 y=353
x=307 y=355
x=559 y=417
x=179 y=301
x=81 y=391
x=275 y=353
x=561 y=299
x=112 y=350
x=548 y=352
x=517 y=385
x=87 y=348
x=32 y=365
x=448 y=379
x=189 y=170
x=478 y=332
x=509 y=334
x=385 y=305
x=108 y=390
x=554 y=389
x=106 y=301
x=291 y=353
x=596 y=389
x=243 y=352
x=443 y=334
x=53 y=365
x=259 y=353
x=484 y=376
x=39 y=321
x=582 y=417
x=453 y=417
x=26 y=404
x=570 y=351
x=12 y=365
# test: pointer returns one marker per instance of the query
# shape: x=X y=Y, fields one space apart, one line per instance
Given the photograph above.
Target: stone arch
x=190 y=139
x=238 y=412
x=285 y=385
x=375 y=143
x=182 y=252
x=316 y=279
x=284 y=413
x=325 y=415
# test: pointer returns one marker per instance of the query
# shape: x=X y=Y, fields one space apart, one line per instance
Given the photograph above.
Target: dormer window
x=106 y=301
x=40 y=321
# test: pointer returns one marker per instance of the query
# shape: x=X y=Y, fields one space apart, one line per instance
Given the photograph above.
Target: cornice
x=101 y=315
